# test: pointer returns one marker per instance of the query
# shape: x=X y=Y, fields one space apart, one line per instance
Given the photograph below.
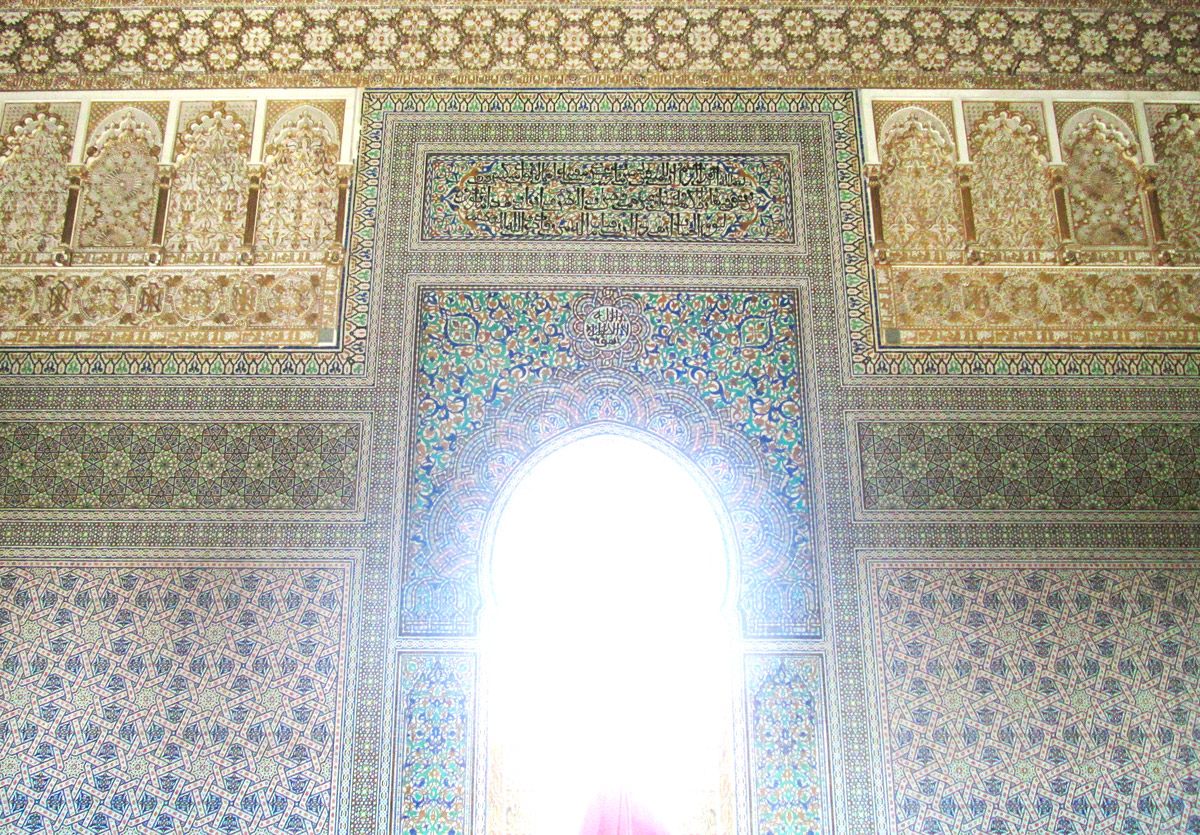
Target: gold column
x=874 y=188
x=62 y=255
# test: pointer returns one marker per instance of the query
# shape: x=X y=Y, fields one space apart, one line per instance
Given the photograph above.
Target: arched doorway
x=609 y=645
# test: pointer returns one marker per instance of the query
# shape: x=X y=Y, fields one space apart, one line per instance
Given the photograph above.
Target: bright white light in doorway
x=609 y=655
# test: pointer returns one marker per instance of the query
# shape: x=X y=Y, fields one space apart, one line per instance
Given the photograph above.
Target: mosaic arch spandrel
x=487 y=400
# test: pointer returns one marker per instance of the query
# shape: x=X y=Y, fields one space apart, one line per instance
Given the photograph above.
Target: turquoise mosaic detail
x=726 y=198
x=734 y=355
x=784 y=704
x=437 y=704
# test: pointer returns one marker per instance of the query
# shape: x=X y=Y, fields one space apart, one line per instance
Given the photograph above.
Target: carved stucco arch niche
x=1011 y=191
x=34 y=183
x=119 y=190
x=1103 y=180
x=919 y=191
x=206 y=212
x=769 y=543
x=298 y=207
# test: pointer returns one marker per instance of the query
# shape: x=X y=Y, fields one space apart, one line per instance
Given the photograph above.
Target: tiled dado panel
x=1031 y=466
x=156 y=465
x=201 y=691
x=1102 y=44
x=1020 y=234
x=788 y=742
x=167 y=234
x=434 y=755
x=1044 y=692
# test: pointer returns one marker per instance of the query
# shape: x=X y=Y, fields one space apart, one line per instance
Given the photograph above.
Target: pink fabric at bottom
x=618 y=813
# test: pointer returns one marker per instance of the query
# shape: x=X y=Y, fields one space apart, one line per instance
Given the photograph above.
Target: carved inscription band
x=727 y=198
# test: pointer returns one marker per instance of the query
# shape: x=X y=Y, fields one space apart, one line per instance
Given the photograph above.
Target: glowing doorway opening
x=609 y=656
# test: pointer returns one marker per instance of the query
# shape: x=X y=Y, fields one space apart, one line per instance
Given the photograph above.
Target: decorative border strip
x=861 y=513
x=1099 y=45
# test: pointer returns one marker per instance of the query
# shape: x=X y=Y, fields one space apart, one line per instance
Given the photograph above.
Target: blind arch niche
x=608 y=626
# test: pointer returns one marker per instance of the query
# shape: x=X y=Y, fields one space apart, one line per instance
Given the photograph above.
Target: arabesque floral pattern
x=371 y=43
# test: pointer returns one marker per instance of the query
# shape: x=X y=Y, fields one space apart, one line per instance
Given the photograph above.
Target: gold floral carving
x=33 y=186
x=919 y=195
x=119 y=191
x=1103 y=187
x=298 y=208
x=168 y=307
x=1179 y=182
x=1010 y=190
x=1040 y=306
x=207 y=209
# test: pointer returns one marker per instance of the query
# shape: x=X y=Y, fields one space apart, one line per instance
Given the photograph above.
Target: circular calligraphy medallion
x=607 y=327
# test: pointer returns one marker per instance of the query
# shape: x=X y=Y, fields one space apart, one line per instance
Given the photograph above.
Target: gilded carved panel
x=1010 y=191
x=206 y=215
x=1072 y=240
x=922 y=213
x=126 y=249
x=1096 y=306
x=33 y=187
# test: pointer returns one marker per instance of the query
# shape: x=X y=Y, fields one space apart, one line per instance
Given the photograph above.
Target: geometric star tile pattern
x=1018 y=697
x=980 y=465
x=196 y=696
x=143 y=464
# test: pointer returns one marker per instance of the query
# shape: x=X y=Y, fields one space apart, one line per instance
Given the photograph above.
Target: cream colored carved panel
x=153 y=191
x=298 y=207
x=1178 y=155
x=922 y=213
x=1103 y=185
x=33 y=187
x=1011 y=194
x=971 y=306
x=206 y=218
x=119 y=191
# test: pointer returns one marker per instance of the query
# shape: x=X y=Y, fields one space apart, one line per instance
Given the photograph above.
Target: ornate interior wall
x=287 y=295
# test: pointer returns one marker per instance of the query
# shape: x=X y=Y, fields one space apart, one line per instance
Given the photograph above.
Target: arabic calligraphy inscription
x=636 y=197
